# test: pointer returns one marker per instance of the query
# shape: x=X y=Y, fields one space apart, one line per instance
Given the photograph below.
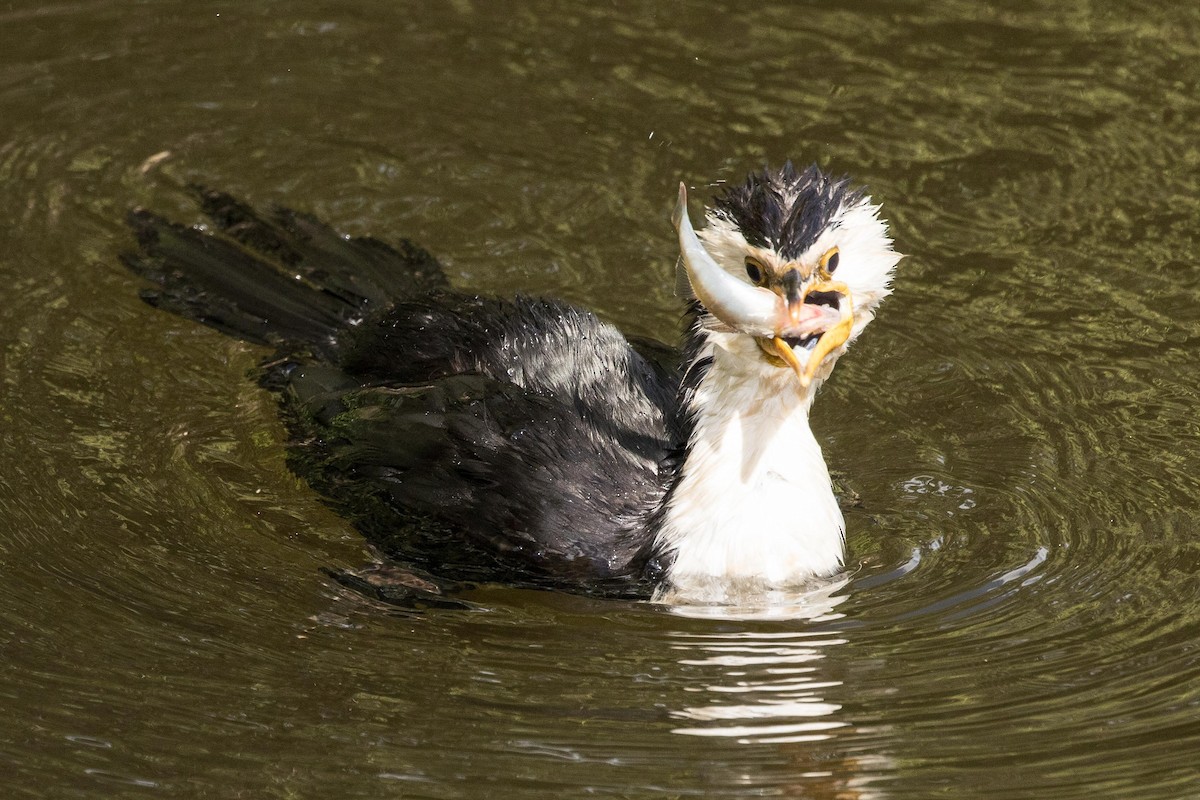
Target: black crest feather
x=785 y=209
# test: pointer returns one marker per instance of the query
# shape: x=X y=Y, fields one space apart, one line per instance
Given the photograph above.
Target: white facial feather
x=866 y=258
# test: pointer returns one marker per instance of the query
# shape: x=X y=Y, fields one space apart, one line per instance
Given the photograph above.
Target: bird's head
x=796 y=259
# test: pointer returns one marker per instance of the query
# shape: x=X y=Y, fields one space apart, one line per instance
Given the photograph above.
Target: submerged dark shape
x=516 y=440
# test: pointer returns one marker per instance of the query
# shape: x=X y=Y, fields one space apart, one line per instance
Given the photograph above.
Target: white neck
x=753 y=508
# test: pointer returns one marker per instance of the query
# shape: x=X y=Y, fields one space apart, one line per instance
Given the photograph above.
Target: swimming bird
x=526 y=441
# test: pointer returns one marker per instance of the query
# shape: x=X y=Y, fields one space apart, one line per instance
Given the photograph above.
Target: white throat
x=753 y=508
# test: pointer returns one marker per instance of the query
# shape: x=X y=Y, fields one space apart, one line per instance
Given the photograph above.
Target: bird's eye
x=829 y=261
x=754 y=271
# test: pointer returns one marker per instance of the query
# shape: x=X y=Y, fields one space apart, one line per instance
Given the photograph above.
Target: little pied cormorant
x=527 y=442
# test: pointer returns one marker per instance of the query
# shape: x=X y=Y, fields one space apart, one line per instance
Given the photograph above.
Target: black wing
x=475 y=479
x=482 y=439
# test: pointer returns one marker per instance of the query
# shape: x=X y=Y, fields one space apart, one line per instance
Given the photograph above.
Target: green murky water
x=1021 y=422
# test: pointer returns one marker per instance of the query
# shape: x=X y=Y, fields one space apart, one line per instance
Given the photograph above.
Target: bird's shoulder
x=543 y=346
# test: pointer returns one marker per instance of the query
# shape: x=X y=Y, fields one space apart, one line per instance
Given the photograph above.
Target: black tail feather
x=214 y=281
x=358 y=269
x=286 y=279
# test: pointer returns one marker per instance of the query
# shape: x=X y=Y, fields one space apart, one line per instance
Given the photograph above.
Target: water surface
x=1022 y=612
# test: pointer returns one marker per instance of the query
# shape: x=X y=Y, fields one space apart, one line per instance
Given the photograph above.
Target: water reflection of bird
x=525 y=441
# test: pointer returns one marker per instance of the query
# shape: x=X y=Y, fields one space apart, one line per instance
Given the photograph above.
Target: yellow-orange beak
x=830 y=340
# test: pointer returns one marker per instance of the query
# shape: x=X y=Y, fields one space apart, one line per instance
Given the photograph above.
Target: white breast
x=753 y=505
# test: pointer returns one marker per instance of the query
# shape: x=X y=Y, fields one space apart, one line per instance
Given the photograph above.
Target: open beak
x=833 y=337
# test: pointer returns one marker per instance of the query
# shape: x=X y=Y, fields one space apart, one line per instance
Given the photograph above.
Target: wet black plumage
x=518 y=440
